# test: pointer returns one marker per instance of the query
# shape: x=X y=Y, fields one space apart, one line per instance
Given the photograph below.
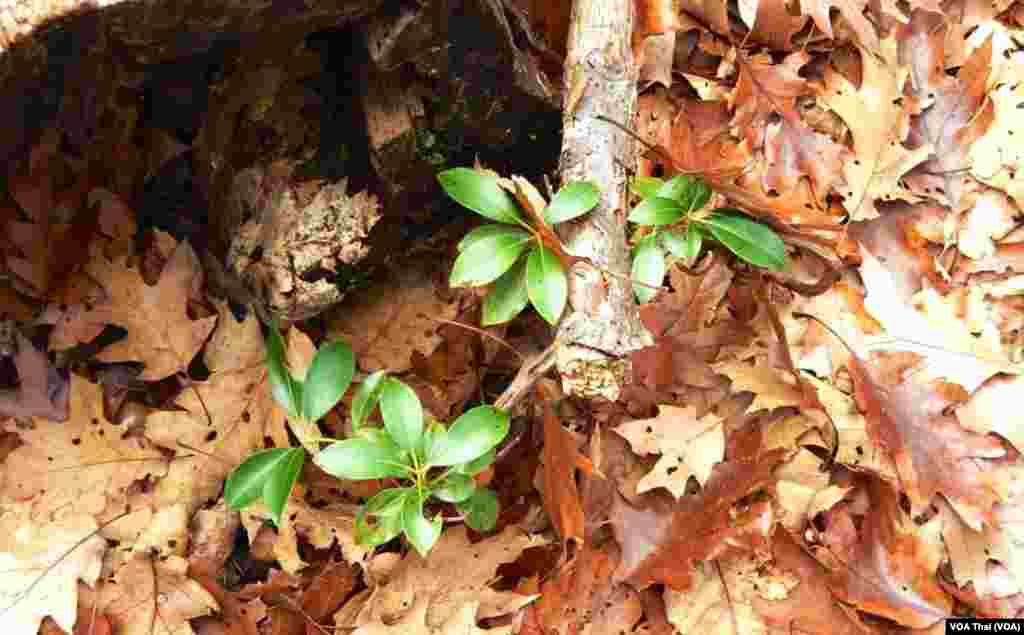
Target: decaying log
x=603 y=326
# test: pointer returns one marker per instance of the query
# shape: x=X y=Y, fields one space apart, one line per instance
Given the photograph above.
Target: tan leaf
x=772 y=387
x=160 y=332
x=461 y=622
x=42 y=564
x=879 y=124
x=392 y=319
x=415 y=579
x=78 y=467
x=149 y=596
x=721 y=601
x=997 y=158
x=321 y=527
x=689 y=446
x=994 y=408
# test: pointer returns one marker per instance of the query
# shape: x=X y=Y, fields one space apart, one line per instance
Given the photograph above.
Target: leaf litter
x=769 y=473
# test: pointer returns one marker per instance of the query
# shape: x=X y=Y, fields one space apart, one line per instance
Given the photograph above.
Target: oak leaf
x=808 y=606
x=561 y=458
x=414 y=579
x=661 y=543
x=887 y=570
x=42 y=564
x=851 y=10
x=879 y=123
x=82 y=466
x=160 y=332
x=461 y=622
x=689 y=446
x=148 y=596
x=997 y=158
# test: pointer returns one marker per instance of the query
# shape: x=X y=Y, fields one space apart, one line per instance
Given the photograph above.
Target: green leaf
x=657 y=211
x=327 y=379
x=477 y=465
x=489 y=257
x=366 y=397
x=752 y=241
x=402 y=412
x=454 y=488
x=480 y=192
x=285 y=388
x=685 y=244
x=480 y=510
x=245 y=485
x=422 y=533
x=546 y=283
x=278 y=487
x=384 y=529
x=481 y=232
x=646 y=186
x=360 y=459
x=573 y=200
x=690 y=192
x=435 y=437
x=648 y=268
x=471 y=436
x=389 y=502
x=508 y=298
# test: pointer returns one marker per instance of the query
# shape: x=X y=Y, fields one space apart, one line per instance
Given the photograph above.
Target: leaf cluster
x=520 y=253
x=674 y=208
x=432 y=460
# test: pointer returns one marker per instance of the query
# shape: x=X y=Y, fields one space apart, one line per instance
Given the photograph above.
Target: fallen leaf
x=461 y=622
x=42 y=564
x=160 y=332
x=808 y=606
x=42 y=390
x=389 y=321
x=888 y=570
x=661 y=545
x=146 y=594
x=879 y=123
x=688 y=445
x=561 y=458
x=414 y=580
x=80 y=467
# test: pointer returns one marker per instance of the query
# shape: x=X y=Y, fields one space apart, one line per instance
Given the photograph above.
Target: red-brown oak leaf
x=561 y=458
x=887 y=569
x=913 y=422
x=661 y=543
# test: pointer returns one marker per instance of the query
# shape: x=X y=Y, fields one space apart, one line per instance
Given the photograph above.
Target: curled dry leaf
x=561 y=458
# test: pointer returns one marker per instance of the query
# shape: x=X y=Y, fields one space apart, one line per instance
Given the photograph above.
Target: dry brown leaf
x=879 y=122
x=809 y=606
x=414 y=579
x=997 y=158
x=42 y=564
x=160 y=332
x=146 y=597
x=661 y=544
x=722 y=600
x=772 y=388
x=79 y=467
x=803 y=490
x=561 y=458
x=42 y=391
x=461 y=622
x=689 y=446
x=321 y=527
x=887 y=569
x=392 y=319
x=584 y=599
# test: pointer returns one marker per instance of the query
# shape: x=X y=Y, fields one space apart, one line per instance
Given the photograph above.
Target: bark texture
x=603 y=327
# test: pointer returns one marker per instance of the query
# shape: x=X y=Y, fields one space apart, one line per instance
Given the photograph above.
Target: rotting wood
x=603 y=326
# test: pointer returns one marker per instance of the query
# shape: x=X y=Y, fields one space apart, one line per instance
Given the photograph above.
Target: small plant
x=271 y=474
x=675 y=208
x=523 y=259
x=433 y=460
